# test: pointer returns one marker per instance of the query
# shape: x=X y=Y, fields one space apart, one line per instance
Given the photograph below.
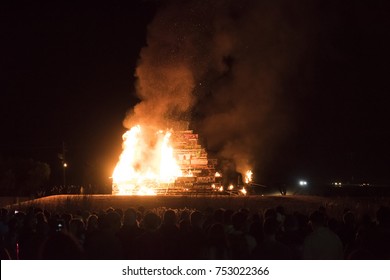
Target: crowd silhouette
x=113 y=234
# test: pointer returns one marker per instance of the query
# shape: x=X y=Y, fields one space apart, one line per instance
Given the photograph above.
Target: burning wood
x=152 y=161
x=147 y=161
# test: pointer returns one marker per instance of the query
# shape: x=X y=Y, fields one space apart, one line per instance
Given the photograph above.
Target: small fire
x=217 y=174
x=244 y=192
x=231 y=187
x=248 y=176
x=146 y=161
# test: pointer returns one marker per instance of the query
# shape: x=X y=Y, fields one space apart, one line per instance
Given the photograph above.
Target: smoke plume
x=223 y=66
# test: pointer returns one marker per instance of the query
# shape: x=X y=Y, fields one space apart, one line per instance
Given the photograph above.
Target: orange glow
x=248 y=176
x=217 y=174
x=243 y=191
x=146 y=162
x=188 y=174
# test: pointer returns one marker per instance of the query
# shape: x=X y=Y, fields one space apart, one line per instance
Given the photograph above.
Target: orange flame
x=248 y=176
x=145 y=163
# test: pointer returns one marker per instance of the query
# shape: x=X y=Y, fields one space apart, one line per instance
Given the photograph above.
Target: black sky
x=67 y=74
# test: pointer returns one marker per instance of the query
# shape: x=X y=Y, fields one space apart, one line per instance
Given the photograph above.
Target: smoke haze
x=223 y=66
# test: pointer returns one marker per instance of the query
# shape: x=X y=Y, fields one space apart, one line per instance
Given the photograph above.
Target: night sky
x=68 y=74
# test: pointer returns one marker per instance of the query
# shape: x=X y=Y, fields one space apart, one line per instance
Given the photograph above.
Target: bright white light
x=65 y=164
x=302 y=183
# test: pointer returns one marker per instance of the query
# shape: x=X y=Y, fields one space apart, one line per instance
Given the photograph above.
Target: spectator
x=148 y=244
x=322 y=243
x=129 y=231
x=170 y=237
x=241 y=242
x=217 y=243
x=61 y=246
x=292 y=237
x=104 y=243
x=194 y=243
x=77 y=230
x=270 y=248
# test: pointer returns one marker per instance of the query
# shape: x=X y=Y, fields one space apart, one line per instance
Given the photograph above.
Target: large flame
x=248 y=176
x=146 y=162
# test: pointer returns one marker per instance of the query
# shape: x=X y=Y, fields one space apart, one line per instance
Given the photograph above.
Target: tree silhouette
x=23 y=176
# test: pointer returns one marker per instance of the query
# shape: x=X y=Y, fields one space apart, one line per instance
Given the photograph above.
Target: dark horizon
x=68 y=75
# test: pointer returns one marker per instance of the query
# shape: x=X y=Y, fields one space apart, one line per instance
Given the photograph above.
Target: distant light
x=303 y=183
x=65 y=164
x=231 y=187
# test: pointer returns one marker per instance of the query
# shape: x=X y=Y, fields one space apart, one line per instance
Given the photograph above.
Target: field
x=302 y=203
